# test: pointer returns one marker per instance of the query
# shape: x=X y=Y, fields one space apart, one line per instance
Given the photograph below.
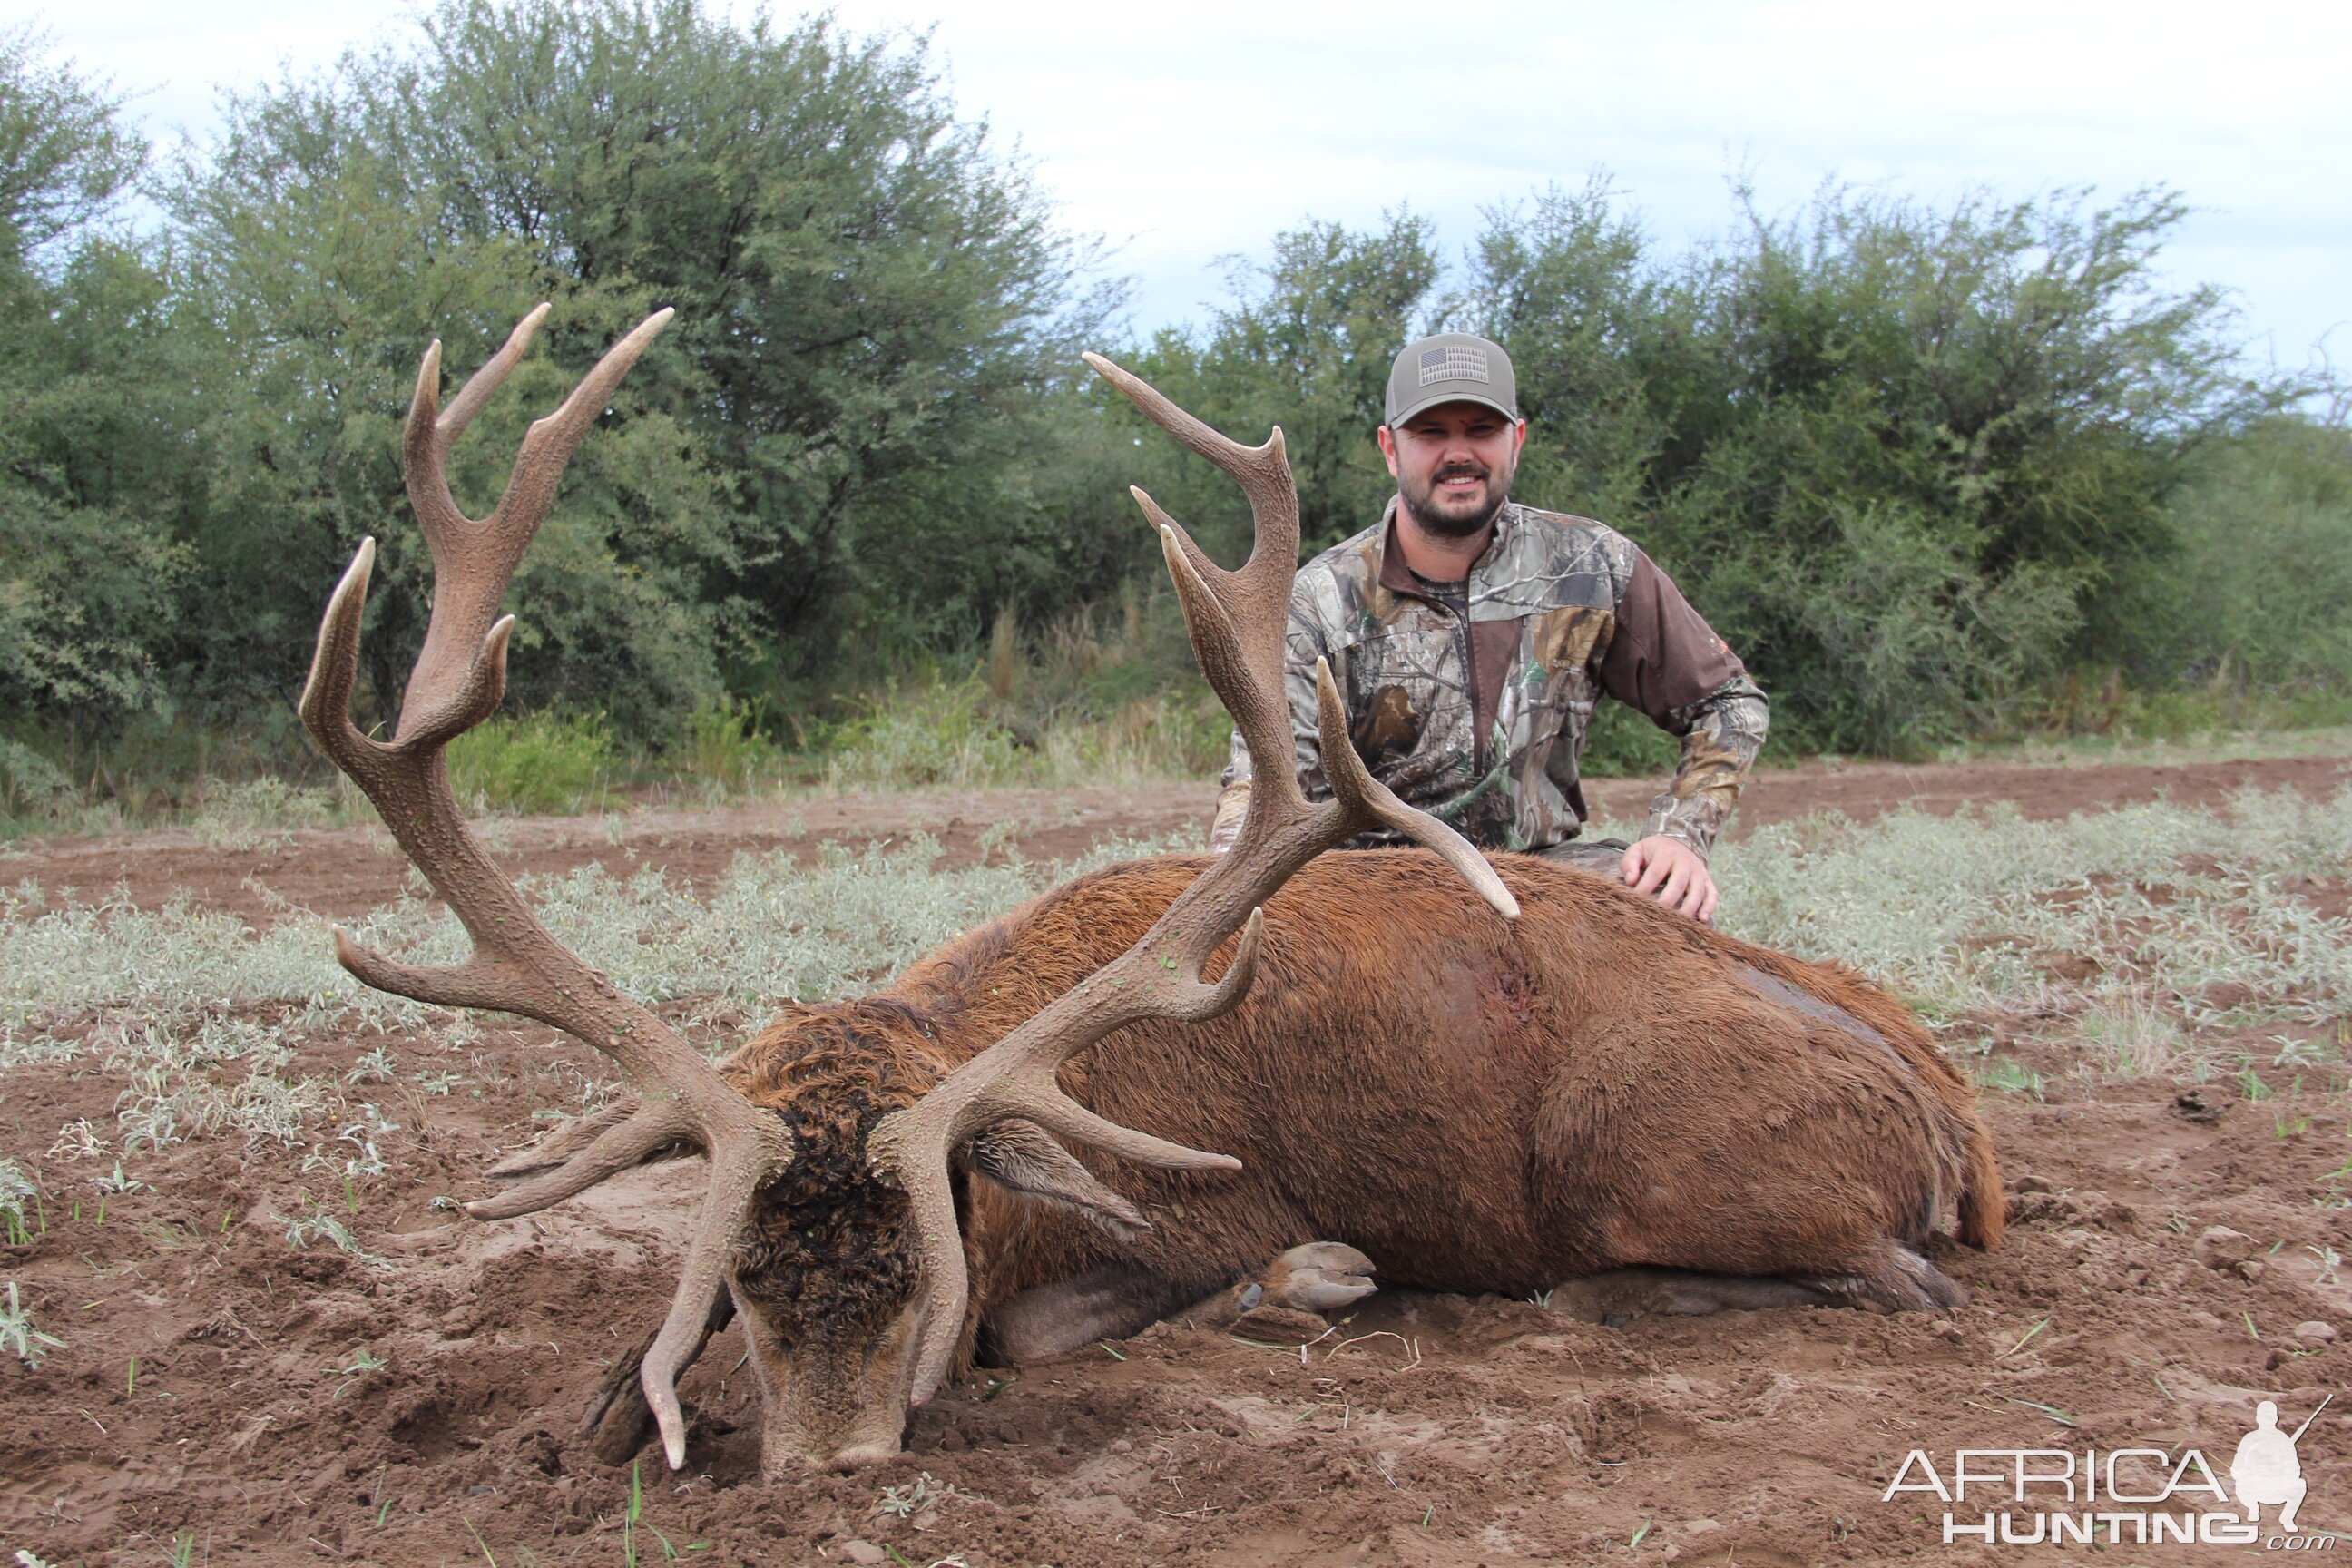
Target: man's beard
x=1455 y=524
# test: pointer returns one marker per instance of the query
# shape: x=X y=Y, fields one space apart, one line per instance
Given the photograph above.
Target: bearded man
x=1470 y=637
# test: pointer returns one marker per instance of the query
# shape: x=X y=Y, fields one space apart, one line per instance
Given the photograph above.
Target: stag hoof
x=1319 y=1277
x=1280 y=1326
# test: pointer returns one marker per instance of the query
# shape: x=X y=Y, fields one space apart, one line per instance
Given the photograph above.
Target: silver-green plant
x=300 y=1233
x=2183 y=915
x=18 y=1335
x=16 y=1190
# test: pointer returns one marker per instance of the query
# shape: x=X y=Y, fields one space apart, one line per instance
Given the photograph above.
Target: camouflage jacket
x=1482 y=719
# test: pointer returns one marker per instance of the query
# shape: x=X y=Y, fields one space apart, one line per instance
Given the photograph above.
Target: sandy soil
x=1427 y=1430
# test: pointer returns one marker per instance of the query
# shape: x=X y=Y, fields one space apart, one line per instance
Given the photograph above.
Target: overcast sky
x=1183 y=132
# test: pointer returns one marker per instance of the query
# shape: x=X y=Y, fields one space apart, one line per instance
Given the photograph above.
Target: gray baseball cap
x=1452 y=367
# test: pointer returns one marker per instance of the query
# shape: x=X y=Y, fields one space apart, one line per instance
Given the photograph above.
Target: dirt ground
x=420 y=1405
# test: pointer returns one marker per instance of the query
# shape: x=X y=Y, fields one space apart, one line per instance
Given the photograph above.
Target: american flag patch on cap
x=1456 y=363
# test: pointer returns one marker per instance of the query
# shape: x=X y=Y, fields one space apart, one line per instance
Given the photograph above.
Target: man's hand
x=1674 y=871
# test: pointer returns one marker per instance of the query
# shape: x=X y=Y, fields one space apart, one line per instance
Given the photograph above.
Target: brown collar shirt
x=1473 y=700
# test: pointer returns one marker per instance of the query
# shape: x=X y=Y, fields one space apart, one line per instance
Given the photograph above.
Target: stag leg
x=1617 y=1296
x=1120 y=1300
x=1890 y=1278
x=1106 y=1304
x=1320 y=1276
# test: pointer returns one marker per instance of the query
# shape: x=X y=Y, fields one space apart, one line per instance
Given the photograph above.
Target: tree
x=1306 y=344
x=1893 y=452
x=867 y=300
x=65 y=156
x=93 y=459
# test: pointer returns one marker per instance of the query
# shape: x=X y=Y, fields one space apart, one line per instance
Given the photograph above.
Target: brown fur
x=1478 y=1104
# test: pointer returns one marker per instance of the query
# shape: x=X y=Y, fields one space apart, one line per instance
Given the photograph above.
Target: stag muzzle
x=838 y=1399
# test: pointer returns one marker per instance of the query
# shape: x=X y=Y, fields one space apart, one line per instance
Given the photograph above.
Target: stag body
x=1593 y=1095
x=1479 y=1106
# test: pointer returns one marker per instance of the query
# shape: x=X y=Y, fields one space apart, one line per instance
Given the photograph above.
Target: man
x=1470 y=637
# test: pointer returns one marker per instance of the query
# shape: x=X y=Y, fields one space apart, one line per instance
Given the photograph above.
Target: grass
x=2133 y=1038
x=2181 y=922
x=904 y=1502
x=1104 y=696
x=769 y=930
x=196 y=1021
x=957 y=736
x=300 y=1233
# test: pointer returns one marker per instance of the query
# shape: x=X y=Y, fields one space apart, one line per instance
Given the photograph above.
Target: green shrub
x=2258 y=595
x=720 y=748
x=542 y=762
x=32 y=787
x=1621 y=743
x=956 y=735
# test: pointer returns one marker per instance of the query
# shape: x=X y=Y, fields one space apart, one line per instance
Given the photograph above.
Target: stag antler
x=1237 y=620
x=515 y=966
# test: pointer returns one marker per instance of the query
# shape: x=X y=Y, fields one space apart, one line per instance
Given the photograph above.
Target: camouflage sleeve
x=1665 y=660
x=1722 y=733
x=1305 y=646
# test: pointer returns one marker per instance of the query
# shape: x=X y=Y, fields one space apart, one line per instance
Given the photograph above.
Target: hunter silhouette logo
x=2265 y=1470
x=2135 y=1496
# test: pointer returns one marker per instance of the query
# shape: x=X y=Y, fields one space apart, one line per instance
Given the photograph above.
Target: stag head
x=840 y=1139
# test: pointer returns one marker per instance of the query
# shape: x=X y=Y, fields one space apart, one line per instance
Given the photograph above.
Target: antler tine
x=460 y=675
x=476 y=393
x=623 y=1146
x=739 y=1165
x=1237 y=620
x=517 y=966
x=431 y=431
x=1233 y=656
x=1263 y=472
x=1360 y=801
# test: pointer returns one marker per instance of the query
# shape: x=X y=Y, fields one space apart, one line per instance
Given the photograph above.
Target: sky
x=1187 y=133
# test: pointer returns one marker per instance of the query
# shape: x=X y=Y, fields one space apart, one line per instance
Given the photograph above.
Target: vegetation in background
x=542 y=762
x=1938 y=473
x=1897 y=455
x=2253 y=587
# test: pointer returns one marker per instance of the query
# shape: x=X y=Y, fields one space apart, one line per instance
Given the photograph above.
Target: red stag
x=1413 y=1074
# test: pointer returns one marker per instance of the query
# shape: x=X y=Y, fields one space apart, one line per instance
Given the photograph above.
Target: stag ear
x=1024 y=1157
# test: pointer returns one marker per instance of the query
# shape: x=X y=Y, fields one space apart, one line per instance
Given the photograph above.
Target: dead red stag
x=1592 y=1094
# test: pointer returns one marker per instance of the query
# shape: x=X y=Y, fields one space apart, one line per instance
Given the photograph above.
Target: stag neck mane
x=895 y=1043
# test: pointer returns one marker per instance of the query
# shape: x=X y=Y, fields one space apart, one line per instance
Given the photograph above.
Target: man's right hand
x=1673 y=871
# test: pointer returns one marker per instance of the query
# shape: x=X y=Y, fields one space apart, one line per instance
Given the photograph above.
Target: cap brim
x=1424 y=404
